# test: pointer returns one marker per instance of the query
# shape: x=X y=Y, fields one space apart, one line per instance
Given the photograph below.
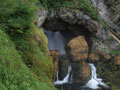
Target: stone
x=55 y=57
x=93 y=58
x=78 y=17
x=42 y=15
x=98 y=55
x=56 y=25
x=116 y=60
x=82 y=72
x=77 y=49
x=63 y=66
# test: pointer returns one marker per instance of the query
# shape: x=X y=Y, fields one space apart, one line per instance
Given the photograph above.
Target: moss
x=34 y=51
x=14 y=75
x=110 y=73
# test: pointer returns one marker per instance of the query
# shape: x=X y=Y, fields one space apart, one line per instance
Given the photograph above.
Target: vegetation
x=83 y=5
x=24 y=60
x=14 y=74
x=110 y=74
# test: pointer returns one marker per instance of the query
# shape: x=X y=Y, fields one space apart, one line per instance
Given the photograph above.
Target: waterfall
x=65 y=80
x=56 y=41
x=94 y=81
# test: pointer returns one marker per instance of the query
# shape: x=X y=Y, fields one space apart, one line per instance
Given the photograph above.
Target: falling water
x=56 y=41
x=65 y=80
x=94 y=81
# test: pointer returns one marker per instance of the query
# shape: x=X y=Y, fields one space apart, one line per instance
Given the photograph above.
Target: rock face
x=72 y=17
x=77 y=49
x=116 y=60
x=55 y=56
x=42 y=15
x=97 y=55
x=82 y=72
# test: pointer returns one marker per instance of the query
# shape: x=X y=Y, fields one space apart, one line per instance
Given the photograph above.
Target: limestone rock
x=42 y=15
x=116 y=60
x=77 y=49
x=78 y=17
x=97 y=55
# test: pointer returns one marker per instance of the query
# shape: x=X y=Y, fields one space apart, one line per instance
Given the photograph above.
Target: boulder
x=116 y=60
x=77 y=49
x=82 y=72
x=55 y=57
x=97 y=55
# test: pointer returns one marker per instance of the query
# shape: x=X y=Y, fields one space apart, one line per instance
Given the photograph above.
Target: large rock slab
x=77 y=49
x=78 y=17
x=82 y=72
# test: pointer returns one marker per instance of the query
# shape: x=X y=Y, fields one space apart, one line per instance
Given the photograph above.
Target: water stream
x=65 y=80
x=57 y=42
x=94 y=81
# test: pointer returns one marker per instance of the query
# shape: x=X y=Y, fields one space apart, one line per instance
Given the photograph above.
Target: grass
x=24 y=60
x=14 y=74
x=34 y=51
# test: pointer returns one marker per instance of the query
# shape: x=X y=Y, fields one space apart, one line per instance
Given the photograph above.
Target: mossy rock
x=110 y=73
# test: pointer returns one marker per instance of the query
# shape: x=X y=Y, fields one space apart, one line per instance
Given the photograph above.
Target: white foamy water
x=56 y=41
x=65 y=80
x=94 y=81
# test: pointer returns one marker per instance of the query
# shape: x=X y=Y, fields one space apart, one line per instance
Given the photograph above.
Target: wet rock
x=55 y=57
x=63 y=66
x=97 y=55
x=116 y=60
x=77 y=49
x=93 y=57
x=110 y=72
x=82 y=72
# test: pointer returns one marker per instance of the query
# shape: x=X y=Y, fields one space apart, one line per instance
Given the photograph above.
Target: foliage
x=83 y=5
x=33 y=49
x=110 y=74
x=24 y=60
x=16 y=16
x=14 y=75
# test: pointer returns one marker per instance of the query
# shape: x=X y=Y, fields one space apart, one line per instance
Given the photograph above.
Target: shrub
x=16 y=15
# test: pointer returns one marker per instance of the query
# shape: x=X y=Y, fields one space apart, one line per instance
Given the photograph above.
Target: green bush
x=14 y=75
x=16 y=15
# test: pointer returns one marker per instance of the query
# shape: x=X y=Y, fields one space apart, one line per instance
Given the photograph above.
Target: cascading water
x=94 y=81
x=57 y=42
x=65 y=80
